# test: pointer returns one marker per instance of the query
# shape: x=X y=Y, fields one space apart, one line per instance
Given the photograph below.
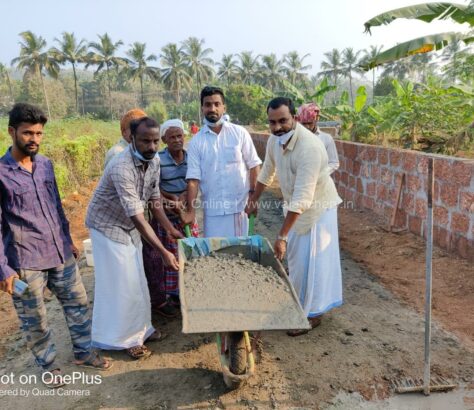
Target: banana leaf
x=426 y=12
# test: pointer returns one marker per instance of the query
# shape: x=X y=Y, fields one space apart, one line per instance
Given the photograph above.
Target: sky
x=261 y=26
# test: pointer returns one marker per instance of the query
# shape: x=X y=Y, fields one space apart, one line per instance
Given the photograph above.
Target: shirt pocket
x=232 y=155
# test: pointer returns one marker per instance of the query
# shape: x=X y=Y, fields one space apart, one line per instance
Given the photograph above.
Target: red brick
x=350 y=166
x=408 y=203
x=381 y=192
x=461 y=245
x=350 y=150
x=357 y=199
x=436 y=190
x=422 y=164
x=395 y=158
x=341 y=191
x=440 y=216
x=363 y=154
x=449 y=194
x=409 y=161
x=344 y=178
x=420 y=207
x=364 y=170
x=459 y=223
x=383 y=156
x=368 y=203
x=413 y=183
x=462 y=172
x=374 y=171
x=372 y=153
x=356 y=168
x=340 y=147
x=467 y=202
x=441 y=237
x=443 y=169
x=371 y=188
x=386 y=176
x=337 y=176
x=360 y=186
x=352 y=182
x=415 y=225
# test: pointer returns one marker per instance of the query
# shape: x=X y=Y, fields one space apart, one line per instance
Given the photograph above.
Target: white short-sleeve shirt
x=221 y=163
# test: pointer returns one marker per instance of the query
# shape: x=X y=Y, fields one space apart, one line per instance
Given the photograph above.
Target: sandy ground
x=374 y=338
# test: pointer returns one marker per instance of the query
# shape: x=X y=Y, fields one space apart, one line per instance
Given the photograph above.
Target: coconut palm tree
x=333 y=67
x=248 y=67
x=370 y=55
x=295 y=70
x=426 y=12
x=103 y=56
x=175 y=74
x=201 y=66
x=228 y=69
x=138 y=68
x=350 y=60
x=5 y=76
x=34 y=59
x=70 y=51
x=271 y=71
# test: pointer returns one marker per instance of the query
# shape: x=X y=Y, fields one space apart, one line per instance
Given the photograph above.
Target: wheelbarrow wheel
x=237 y=353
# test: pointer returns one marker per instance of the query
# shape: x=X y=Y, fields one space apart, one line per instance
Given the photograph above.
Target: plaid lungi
x=162 y=280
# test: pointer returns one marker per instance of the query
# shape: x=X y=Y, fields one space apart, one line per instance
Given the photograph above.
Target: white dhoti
x=315 y=266
x=122 y=313
x=226 y=225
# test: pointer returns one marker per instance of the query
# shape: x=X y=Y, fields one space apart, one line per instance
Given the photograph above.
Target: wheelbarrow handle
x=251 y=224
x=187 y=231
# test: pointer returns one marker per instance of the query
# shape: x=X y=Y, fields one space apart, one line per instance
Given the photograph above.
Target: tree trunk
x=45 y=94
x=110 y=91
x=10 y=89
x=373 y=85
x=75 y=87
x=350 y=88
x=141 y=90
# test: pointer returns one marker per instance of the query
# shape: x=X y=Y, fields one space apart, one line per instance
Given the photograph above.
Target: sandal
x=157 y=336
x=53 y=378
x=313 y=321
x=95 y=361
x=139 y=352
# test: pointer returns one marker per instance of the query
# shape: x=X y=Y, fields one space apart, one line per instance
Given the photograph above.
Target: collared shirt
x=35 y=231
x=221 y=163
x=328 y=141
x=115 y=150
x=172 y=175
x=123 y=191
x=303 y=172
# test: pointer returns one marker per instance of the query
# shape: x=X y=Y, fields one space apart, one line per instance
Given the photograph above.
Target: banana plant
x=426 y=12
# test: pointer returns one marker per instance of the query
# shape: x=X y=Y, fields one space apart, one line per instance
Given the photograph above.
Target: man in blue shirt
x=37 y=248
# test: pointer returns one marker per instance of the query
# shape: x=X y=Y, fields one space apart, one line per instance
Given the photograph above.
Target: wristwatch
x=282 y=238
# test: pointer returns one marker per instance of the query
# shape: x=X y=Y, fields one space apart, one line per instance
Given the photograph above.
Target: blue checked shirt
x=35 y=231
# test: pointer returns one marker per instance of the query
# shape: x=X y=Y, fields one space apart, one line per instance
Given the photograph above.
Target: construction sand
x=228 y=292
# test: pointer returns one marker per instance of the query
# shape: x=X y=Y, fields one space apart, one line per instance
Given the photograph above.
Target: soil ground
x=374 y=338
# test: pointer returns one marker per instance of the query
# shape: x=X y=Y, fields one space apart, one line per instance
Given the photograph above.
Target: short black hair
x=279 y=101
x=209 y=90
x=23 y=112
x=149 y=123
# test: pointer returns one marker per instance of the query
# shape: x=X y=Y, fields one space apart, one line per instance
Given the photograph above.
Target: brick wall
x=369 y=176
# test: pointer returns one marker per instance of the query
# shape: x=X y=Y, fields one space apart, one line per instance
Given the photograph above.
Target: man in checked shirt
x=37 y=248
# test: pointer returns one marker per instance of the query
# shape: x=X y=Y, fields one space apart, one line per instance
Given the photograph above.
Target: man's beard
x=28 y=151
x=214 y=118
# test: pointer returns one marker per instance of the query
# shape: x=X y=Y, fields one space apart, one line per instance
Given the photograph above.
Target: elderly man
x=37 y=248
x=223 y=163
x=122 y=314
x=125 y=121
x=308 y=116
x=163 y=280
x=309 y=230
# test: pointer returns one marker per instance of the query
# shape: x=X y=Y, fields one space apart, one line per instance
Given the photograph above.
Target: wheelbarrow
x=232 y=329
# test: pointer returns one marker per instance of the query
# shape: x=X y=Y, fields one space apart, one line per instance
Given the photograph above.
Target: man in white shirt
x=308 y=116
x=310 y=198
x=223 y=164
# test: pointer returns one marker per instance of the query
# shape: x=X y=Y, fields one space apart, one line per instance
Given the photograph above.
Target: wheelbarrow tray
x=203 y=314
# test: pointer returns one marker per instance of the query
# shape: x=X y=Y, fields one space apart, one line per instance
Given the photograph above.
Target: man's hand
x=252 y=207
x=174 y=233
x=170 y=260
x=7 y=284
x=188 y=217
x=279 y=249
x=75 y=251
